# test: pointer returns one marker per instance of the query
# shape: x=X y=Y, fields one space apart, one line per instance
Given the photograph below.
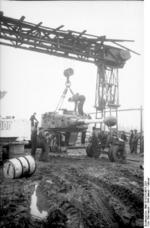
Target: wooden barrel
x=19 y=167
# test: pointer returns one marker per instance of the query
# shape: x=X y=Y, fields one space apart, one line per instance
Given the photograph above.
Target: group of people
x=133 y=141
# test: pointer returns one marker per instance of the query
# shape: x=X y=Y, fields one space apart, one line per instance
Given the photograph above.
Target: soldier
x=102 y=139
x=83 y=136
x=33 y=120
x=43 y=144
x=94 y=139
x=80 y=104
x=75 y=99
x=135 y=142
x=34 y=139
x=131 y=141
x=123 y=136
x=142 y=144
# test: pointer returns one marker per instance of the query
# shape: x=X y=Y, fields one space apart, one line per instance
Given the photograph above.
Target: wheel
x=92 y=151
x=116 y=154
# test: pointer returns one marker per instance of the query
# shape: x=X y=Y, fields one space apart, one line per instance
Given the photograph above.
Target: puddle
x=39 y=205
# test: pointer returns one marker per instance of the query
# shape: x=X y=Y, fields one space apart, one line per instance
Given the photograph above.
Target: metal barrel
x=19 y=167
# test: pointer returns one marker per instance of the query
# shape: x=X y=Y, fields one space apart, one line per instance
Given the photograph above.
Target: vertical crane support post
x=107 y=91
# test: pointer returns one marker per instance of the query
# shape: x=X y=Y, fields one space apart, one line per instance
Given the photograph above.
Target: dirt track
x=77 y=192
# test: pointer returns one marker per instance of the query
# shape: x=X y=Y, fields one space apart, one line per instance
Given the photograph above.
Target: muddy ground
x=76 y=192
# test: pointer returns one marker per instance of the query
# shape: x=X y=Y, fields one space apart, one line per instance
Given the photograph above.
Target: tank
x=67 y=120
x=62 y=130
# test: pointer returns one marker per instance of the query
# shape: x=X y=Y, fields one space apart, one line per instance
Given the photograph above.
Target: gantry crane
x=79 y=46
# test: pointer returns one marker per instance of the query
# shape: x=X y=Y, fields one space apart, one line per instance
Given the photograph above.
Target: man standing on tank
x=33 y=119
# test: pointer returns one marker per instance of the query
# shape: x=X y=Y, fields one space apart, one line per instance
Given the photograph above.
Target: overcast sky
x=35 y=81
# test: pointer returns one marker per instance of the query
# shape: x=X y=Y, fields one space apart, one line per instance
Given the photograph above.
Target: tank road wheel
x=92 y=151
x=116 y=154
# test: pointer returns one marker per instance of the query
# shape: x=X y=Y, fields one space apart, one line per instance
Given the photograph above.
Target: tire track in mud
x=128 y=202
x=78 y=199
x=13 y=205
x=121 y=192
x=88 y=201
x=62 y=210
x=89 y=208
x=125 y=202
x=95 y=202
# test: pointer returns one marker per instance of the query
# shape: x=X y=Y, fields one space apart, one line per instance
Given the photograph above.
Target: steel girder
x=63 y=43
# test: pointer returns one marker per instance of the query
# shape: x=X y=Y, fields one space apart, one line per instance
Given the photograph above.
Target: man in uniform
x=34 y=125
x=123 y=136
x=80 y=104
x=131 y=141
x=33 y=119
x=135 y=142
x=93 y=145
x=75 y=99
x=83 y=137
x=34 y=139
x=43 y=144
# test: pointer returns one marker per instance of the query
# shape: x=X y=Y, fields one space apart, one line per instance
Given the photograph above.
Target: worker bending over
x=79 y=102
